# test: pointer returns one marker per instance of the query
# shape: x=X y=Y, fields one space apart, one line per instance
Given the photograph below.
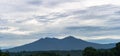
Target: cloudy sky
x=25 y=21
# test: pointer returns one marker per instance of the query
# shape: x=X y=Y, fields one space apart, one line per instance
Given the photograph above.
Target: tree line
x=4 y=53
x=90 y=51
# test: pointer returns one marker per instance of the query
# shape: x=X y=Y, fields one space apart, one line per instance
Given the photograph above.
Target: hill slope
x=68 y=43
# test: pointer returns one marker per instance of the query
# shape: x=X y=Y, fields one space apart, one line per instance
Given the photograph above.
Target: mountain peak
x=47 y=38
x=68 y=43
x=70 y=37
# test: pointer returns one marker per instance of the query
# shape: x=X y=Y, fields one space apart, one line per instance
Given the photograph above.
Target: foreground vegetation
x=4 y=53
x=89 y=51
x=48 y=53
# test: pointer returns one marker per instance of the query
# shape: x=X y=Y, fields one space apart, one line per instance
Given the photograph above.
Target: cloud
x=11 y=43
x=34 y=2
x=96 y=18
x=88 y=19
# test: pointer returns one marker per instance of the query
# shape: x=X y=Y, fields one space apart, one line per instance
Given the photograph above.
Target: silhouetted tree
x=0 y=52
x=68 y=54
x=90 y=51
x=118 y=49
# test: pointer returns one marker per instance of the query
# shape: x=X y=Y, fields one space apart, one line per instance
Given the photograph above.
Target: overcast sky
x=25 y=21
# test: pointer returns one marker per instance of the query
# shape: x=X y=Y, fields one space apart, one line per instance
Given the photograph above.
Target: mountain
x=68 y=43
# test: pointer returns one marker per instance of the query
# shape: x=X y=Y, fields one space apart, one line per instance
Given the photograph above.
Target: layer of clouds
x=34 y=19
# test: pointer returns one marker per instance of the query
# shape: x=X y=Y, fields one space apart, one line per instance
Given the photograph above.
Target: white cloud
x=102 y=37
x=13 y=30
x=32 y=22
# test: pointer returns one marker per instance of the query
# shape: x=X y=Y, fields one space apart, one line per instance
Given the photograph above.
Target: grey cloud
x=46 y=18
x=108 y=13
x=3 y=21
x=94 y=31
x=92 y=28
x=34 y=2
x=42 y=18
x=118 y=12
x=53 y=3
x=12 y=36
x=84 y=28
x=104 y=12
x=22 y=21
x=4 y=28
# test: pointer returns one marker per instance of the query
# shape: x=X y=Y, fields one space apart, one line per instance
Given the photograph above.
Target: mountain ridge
x=67 y=43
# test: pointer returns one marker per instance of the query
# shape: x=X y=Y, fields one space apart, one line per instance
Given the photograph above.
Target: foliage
x=68 y=54
x=35 y=54
x=89 y=51
x=4 y=53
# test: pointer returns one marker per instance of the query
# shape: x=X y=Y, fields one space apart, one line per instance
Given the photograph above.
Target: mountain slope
x=68 y=43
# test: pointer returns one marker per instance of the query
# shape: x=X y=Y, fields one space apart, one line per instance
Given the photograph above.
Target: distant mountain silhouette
x=68 y=43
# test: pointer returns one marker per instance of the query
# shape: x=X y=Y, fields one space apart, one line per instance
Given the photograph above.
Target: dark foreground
x=48 y=53
x=89 y=51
